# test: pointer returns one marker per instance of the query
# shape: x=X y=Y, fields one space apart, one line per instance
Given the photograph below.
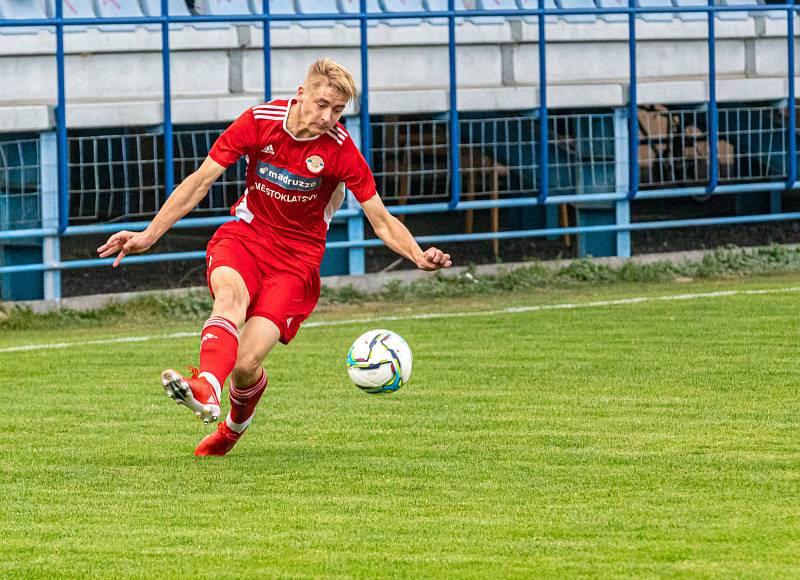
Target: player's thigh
x=233 y=275
x=227 y=276
x=259 y=337
x=230 y=292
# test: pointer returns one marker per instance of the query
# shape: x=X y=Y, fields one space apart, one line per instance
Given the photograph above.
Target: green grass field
x=657 y=438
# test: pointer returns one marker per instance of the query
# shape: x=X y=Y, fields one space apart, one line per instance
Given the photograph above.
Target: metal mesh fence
x=674 y=148
x=191 y=147
x=498 y=156
x=20 y=205
x=115 y=176
x=759 y=147
x=120 y=176
x=411 y=159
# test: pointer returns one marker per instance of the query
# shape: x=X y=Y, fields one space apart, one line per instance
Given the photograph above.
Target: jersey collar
x=286 y=120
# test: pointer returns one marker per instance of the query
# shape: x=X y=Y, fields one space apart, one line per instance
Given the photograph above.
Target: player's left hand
x=433 y=259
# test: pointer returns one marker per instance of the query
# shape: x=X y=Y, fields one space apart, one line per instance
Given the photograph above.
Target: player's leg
x=248 y=383
x=219 y=342
x=219 y=345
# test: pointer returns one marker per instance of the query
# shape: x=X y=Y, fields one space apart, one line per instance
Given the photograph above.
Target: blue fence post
x=169 y=166
x=455 y=127
x=622 y=162
x=267 y=52
x=792 y=105
x=544 y=159
x=713 y=121
x=48 y=182
x=633 y=103
x=355 y=224
x=61 y=125
x=359 y=129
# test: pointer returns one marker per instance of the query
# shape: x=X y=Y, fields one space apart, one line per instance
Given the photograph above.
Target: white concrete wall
x=115 y=78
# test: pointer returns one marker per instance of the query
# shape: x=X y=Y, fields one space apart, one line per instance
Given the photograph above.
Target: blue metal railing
x=58 y=23
x=633 y=124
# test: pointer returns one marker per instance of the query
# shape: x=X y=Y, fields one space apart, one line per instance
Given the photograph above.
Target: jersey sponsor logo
x=285 y=197
x=268 y=150
x=285 y=178
x=315 y=164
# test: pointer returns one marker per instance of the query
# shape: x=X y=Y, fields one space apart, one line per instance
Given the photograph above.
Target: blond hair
x=326 y=71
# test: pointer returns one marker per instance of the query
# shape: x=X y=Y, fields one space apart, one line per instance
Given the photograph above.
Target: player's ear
x=301 y=91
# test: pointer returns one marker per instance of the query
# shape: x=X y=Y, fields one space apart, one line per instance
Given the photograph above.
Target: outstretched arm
x=185 y=197
x=395 y=235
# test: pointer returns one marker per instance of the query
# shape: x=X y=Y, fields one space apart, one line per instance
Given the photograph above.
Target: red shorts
x=279 y=291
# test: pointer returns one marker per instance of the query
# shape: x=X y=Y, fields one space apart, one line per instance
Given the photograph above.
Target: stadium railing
x=530 y=175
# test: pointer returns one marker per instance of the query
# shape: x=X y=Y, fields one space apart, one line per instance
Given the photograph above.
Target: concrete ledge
x=588 y=95
x=114 y=113
x=774 y=24
x=673 y=92
x=760 y=89
x=26 y=118
x=400 y=102
x=225 y=108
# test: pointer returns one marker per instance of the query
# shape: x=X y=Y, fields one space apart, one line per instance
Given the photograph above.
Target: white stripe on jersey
x=335 y=137
x=270 y=107
x=270 y=117
x=341 y=132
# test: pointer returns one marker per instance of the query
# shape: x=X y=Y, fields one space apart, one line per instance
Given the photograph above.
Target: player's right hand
x=125 y=243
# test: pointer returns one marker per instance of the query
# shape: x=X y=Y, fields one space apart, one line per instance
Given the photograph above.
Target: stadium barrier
x=54 y=183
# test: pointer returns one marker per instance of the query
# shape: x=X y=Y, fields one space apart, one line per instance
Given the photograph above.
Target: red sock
x=219 y=344
x=243 y=403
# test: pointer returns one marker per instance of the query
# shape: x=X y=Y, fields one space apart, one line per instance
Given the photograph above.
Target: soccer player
x=263 y=269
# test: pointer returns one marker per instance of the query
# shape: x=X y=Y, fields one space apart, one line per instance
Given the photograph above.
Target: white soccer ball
x=379 y=361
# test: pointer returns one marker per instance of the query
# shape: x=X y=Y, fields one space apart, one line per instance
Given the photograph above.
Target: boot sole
x=177 y=389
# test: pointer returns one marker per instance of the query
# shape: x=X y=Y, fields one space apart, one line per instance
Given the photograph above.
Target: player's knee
x=230 y=298
x=247 y=370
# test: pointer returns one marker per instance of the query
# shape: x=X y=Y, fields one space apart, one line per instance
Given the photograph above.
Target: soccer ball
x=379 y=362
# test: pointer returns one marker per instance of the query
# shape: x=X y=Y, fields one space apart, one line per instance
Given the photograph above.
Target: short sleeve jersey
x=291 y=182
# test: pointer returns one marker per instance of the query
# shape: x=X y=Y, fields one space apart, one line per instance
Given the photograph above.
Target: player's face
x=320 y=108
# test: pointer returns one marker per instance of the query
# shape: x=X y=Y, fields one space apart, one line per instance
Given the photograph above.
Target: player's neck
x=294 y=123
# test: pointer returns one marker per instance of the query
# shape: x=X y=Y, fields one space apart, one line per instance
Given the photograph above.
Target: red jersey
x=291 y=182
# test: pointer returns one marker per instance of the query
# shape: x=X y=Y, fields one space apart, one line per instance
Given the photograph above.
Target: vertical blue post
x=622 y=163
x=362 y=138
x=544 y=157
x=455 y=132
x=267 y=53
x=61 y=125
x=712 y=105
x=633 y=105
x=366 y=137
x=355 y=224
x=169 y=169
x=792 y=118
x=48 y=180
